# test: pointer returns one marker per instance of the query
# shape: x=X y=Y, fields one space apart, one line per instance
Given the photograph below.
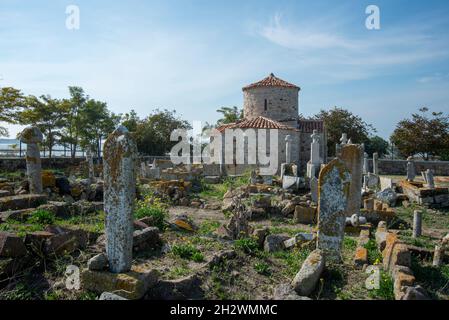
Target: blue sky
x=195 y=56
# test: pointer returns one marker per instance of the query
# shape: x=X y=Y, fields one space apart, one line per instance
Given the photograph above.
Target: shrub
x=42 y=217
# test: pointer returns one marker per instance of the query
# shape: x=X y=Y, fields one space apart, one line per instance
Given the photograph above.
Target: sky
x=194 y=56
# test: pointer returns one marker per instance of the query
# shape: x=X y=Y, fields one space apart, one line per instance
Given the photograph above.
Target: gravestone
x=90 y=165
x=288 y=149
x=365 y=163
x=315 y=161
x=375 y=163
x=32 y=136
x=120 y=161
x=333 y=192
x=417 y=224
x=314 y=189
x=428 y=178
x=411 y=171
x=352 y=157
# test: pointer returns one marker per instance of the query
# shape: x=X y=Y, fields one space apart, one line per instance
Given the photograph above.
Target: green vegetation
x=247 y=245
x=263 y=268
x=349 y=244
x=292 y=260
x=187 y=251
x=155 y=209
x=434 y=279
x=42 y=217
x=385 y=291
x=208 y=227
x=374 y=255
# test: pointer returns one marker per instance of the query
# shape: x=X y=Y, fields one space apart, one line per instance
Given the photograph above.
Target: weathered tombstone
x=376 y=163
x=288 y=149
x=90 y=165
x=411 y=171
x=352 y=157
x=365 y=163
x=344 y=139
x=438 y=255
x=333 y=191
x=429 y=179
x=315 y=161
x=417 y=224
x=120 y=160
x=32 y=136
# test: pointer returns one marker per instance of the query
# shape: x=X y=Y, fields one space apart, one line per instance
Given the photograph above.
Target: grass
x=208 y=227
x=285 y=230
x=246 y=245
x=437 y=219
x=263 y=268
x=349 y=244
x=374 y=255
x=385 y=291
x=42 y=217
x=291 y=260
x=217 y=191
x=434 y=279
x=157 y=211
x=188 y=252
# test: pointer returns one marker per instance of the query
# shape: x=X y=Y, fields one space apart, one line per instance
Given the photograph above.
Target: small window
x=265 y=104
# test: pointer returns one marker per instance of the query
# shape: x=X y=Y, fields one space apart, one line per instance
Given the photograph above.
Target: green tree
x=11 y=101
x=152 y=134
x=423 y=134
x=230 y=115
x=45 y=113
x=338 y=121
x=376 y=144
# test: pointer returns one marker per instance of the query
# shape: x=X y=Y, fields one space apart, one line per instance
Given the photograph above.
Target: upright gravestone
x=315 y=161
x=411 y=171
x=417 y=224
x=90 y=164
x=120 y=160
x=365 y=163
x=376 y=163
x=32 y=136
x=352 y=157
x=344 y=139
x=333 y=191
x=430 y=183
x=314 y=189
x=288 y=149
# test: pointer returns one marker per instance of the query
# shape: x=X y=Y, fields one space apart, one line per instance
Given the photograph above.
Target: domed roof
x=271 y=81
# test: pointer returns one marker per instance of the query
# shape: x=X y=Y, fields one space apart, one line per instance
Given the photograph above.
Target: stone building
x=273 y=103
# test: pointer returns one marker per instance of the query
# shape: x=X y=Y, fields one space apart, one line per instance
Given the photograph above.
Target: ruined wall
x=399 y=167
x=282 y=103
x=14 y=164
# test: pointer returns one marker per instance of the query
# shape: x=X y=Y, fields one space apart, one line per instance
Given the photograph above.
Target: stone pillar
x=352 y=157
x=315 y=161
x=333 y=191
x=417 y=224
x=411 y=171
x=32 y=136
x=365 y=163
x=438 y=256
x=288 y=149
x=429 y=179
x=375 y=163
x=120 y=160
x=90 y=164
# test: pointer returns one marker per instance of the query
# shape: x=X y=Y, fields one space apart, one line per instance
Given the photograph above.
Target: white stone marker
x=344 y=139
x=438 y=255
x=315 y=161
x=411 y=171
x=376 y=163
x=288 y=149
x=417 y=223
x=32 y=136
x=120 y=160
x=90 y=164
x=430 y=183
x=365 y=163
x=333 y=191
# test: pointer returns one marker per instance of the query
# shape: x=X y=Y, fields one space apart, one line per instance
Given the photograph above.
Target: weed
x=43 y=217
x=247 y=245
x=187 y=251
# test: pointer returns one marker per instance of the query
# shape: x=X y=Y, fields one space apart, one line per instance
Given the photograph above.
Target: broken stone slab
x=305 y=215
x=290 y=182
x=18 y=215
x=35 y=240
x=188 y=287
x=65 y=242
x=24 y=201
x=401 y=281
x=146 y=239
x=308 y=276
x=415 y=293
x=98 y=262
x=387 y=196
x=333 y=198
x=11 y=246
x=110 y=296
x=285 y=291
x=274 y=242
x=259 y=234
x=131 y=285
x=298 y=239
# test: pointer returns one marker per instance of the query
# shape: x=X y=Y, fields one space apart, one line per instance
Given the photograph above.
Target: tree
x=152 y=134
x=376 y=144
x=11 y=100
x=338 y=121
x=97 y=122
x=45 y=113
x=130 y=120
x=230 y=115
x=423 y=134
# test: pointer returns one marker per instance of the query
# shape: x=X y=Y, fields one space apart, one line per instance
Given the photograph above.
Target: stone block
x=23 y=201
x=11 y=246
x=308 y=276
x=305 y=215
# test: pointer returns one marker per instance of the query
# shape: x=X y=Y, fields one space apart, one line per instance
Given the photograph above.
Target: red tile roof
x=256 y=123
x=270 y=81
x=307 y=126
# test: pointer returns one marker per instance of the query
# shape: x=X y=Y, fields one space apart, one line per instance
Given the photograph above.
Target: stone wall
x=14 y=164
x=282 y=103
x=399 y=167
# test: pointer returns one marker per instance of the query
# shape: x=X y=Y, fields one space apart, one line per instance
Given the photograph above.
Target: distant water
x=10 y=147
